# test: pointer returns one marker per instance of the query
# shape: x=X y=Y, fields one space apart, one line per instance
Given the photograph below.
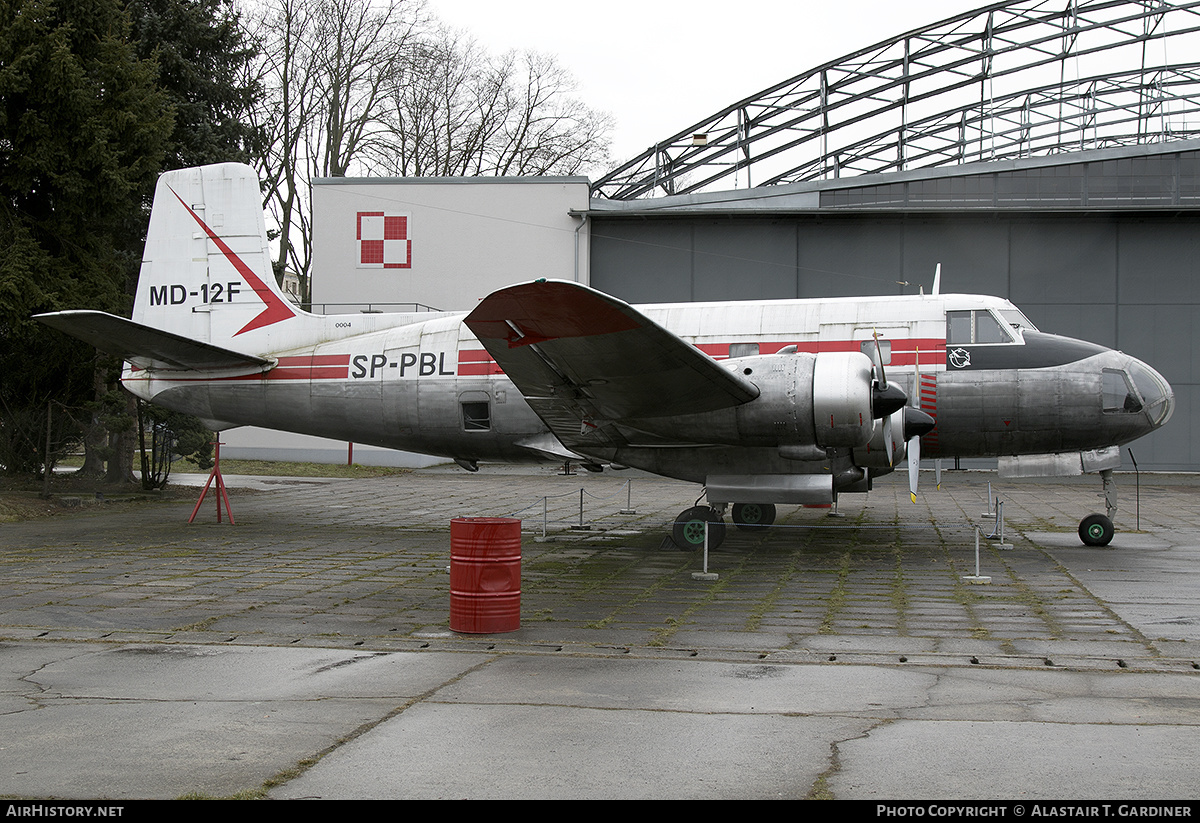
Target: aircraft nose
x=1156 y=392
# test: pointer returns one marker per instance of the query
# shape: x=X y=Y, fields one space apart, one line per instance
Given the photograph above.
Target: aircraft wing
x=149 y=348
x=585 y=361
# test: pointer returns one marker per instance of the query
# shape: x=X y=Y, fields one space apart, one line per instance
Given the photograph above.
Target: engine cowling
x=841 y=400
x=807 y=403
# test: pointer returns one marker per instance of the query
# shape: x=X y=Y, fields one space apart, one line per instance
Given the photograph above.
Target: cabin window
x=476 y=417
x=980 y=326
x=1119 y=396
x=742 y=350
x=959 y=328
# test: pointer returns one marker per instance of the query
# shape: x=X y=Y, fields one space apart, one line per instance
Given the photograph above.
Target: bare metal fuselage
x=429 y=387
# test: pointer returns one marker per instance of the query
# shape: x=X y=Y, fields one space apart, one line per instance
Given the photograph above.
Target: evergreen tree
x=83 y=130
x=205 y=67
x=97 y=97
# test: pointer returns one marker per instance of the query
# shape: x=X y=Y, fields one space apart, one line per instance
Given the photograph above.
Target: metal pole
x=1137 y=476
x=46 y=467
x=628 y=498
x=977 y=551
x=544 y=498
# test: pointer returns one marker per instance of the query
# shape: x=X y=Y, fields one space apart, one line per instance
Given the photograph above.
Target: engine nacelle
x=807 y=403
x=841 y=393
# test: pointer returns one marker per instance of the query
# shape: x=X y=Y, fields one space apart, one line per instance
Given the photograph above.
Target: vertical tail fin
x=206 y=271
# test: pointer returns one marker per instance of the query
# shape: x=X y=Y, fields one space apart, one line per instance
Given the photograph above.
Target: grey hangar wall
x=1126 y=279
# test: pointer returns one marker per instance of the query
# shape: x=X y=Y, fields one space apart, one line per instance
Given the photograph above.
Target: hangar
x=1043 y=152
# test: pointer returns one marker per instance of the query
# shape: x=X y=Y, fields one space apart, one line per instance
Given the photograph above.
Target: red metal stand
x=222 y=494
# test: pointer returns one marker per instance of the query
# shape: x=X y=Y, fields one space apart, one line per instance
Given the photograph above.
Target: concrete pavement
x=305 y=651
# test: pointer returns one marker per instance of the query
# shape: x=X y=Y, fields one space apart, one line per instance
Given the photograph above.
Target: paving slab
x=306 y=650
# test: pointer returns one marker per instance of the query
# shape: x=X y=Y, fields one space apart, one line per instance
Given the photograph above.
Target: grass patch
x=280 y=468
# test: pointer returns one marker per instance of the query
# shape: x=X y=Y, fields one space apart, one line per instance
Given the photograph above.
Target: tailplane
x=206 y=273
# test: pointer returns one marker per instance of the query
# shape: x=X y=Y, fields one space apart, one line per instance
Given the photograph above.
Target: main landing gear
x=1097 y=529
x=688 y=530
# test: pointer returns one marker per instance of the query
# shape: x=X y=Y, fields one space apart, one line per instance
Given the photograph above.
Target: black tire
x=688 y=530
x=1096 y=530
x=753 y=516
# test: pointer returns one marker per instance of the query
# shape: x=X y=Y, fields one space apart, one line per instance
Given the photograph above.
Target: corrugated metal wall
x=1129 y=281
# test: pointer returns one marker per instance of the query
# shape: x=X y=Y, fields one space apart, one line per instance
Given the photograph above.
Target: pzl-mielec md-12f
x=762 y=402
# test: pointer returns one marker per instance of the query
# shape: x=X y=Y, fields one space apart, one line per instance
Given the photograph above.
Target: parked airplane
x=762 y=402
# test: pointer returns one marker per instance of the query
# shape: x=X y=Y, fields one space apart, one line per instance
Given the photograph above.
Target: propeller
x=916 y=424
x=885 y=400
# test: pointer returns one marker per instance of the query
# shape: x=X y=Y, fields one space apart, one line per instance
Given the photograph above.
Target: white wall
x=468 y=237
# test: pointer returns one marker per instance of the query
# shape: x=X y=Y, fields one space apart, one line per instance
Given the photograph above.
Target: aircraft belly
x=418 y=416
x=696 y=464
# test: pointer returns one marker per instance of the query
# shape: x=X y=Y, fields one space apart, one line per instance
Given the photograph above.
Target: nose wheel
x=1096 y=530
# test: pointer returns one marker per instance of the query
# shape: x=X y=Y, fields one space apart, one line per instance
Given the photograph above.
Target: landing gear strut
x=1097 y=529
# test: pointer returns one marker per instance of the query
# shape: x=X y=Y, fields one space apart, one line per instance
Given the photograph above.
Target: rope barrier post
x=706 y=574
x=991 y=512
x=977 y=577
x=581 y=527
x=1000 y=517
x=628 y=498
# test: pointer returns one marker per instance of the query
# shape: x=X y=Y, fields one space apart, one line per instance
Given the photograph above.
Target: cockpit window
x=988 y=330
x=1018 y=321
x=1119 y=395
x=978 y=326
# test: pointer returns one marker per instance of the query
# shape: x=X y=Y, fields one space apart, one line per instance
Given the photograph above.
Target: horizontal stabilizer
x=150 y=348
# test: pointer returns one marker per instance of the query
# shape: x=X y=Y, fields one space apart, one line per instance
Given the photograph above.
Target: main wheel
x=1096 y=530
x=688 y=531
x=753 y=516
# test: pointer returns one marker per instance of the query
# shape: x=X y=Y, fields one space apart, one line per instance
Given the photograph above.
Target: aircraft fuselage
x=994 y=385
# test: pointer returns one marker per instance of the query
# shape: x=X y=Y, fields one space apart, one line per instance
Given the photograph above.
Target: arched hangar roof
x=1007 y=81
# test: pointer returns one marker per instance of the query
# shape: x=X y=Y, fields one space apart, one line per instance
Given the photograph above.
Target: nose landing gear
x=1097 y=529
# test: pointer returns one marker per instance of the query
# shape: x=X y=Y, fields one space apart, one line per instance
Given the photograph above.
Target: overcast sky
x=658 y=66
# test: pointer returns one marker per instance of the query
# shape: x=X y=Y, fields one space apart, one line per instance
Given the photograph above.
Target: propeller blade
x=916 y=424
x=879 y=362
x=885 y=398
x=937 y=468
x=914 y=465
x=887 y=440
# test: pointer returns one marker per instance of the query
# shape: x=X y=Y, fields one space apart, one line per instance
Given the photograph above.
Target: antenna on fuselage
x=937 y=280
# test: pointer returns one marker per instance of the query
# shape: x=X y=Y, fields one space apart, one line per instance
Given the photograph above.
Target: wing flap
x=585 y=361
x=150 y=348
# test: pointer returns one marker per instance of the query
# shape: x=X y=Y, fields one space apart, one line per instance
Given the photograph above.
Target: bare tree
x=548 y=130
x=459 y=111
x=374 y=86
x=325 y=65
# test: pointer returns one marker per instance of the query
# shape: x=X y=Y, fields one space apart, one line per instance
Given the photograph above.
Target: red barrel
x=485 y=574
